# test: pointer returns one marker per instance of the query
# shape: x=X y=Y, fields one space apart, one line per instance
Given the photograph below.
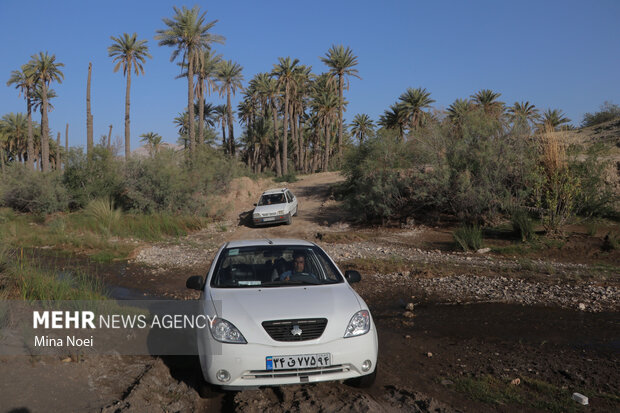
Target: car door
x=293 y=202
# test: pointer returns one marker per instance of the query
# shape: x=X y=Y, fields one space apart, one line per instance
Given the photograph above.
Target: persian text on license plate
x=269 y=219
x=300 y=361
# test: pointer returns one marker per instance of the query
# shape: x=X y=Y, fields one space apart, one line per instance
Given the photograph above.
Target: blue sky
x=555 y=54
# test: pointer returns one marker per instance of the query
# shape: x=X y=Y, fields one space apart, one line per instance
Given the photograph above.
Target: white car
x=275 y=205
x=281 y=312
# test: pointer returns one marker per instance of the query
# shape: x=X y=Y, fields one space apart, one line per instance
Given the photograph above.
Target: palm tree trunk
x=340 y=92
x=30 y=160
x=223 y=133
x=45 y=139
x=231 y=136
x=127 y=131
x=58 y=159
x=190 y=104
x=67 y=139
x=294 y=136
x=327 y=139
x=89 y=116
x=277 y=141
x=201 y=110
x=110 y=137
x=285 y=133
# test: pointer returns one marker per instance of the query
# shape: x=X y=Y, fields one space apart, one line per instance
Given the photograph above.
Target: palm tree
x=14 y=129
x=325 y=104
x=523 y=113
x=394 y=118
x=552 y=119
x=206 y=70
x=340 y=61
x=362 y=126
x=130 y=53
x=457 y=112
x=487 y=100
x=153 y=140
x=46 y=70
x=189 y=34
x=229 y=77
x=269 y=92
x=220 y=116
x=285 y=72
x=411 y=104
x=24 y=81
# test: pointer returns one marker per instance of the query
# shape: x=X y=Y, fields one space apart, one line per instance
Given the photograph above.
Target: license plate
x=269 y=219
x=300 y=361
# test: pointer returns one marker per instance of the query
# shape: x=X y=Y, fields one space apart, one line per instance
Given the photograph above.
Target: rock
x=483 y=250
x=516 y=382
x=429 y=355
x=446 y=382
x=408 y=314
x=409 y=307
x=407 y=336
x=66 y=360
x=582 y=306
x=580 y=398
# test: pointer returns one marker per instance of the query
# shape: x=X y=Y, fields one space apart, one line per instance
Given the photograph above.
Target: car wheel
x=289 y=219
x=363 y=382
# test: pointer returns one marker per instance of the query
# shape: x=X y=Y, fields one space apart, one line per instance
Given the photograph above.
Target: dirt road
x=480 y=323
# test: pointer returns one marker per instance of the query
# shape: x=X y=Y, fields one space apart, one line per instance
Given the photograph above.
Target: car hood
x=274 y=208
x=248 y=308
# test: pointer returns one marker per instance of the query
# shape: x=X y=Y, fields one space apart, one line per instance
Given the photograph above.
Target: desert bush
x=468 y=237
x=167 y=183
x=99 y=177
x=596 y=196
x=105 y=216
x=522 y=225
x=608 y=111
x=557 y=193
x=476 y=173
x=26 y=190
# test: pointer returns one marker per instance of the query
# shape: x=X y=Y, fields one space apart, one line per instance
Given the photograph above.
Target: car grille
x=271 y=374
x=283 y=330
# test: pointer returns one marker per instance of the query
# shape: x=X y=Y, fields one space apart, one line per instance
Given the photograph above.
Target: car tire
x=289 y=219
x=363 y=382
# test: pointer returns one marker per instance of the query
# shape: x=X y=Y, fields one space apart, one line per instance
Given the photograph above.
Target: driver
x=299 y=269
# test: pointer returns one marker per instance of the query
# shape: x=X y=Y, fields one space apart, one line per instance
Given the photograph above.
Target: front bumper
x=246 y=363
x=270 y=220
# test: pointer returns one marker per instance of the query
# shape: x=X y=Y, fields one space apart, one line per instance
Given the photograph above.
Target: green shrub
x=104 y=214
x=26 y=190
x=608 y=111
x=101 y=177
x=468 y=237
x=522 y=225
x=289 y=177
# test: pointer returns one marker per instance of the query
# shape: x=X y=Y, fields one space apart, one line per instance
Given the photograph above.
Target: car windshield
x=271 y=199
x=273 y=266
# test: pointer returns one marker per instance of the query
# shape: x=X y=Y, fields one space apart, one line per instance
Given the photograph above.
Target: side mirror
x=195 y=282
x=352 y=276
x=254 y=204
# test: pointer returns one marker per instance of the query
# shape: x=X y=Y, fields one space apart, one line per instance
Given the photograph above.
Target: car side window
x=288 y=197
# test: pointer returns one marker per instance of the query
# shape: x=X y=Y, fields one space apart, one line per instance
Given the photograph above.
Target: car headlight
x=281 y=212
x=256 y=215
x=226 y=332
x=359 y=324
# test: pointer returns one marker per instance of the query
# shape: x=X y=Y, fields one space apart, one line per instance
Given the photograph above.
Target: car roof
x=274 y=191
x=267 y=241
